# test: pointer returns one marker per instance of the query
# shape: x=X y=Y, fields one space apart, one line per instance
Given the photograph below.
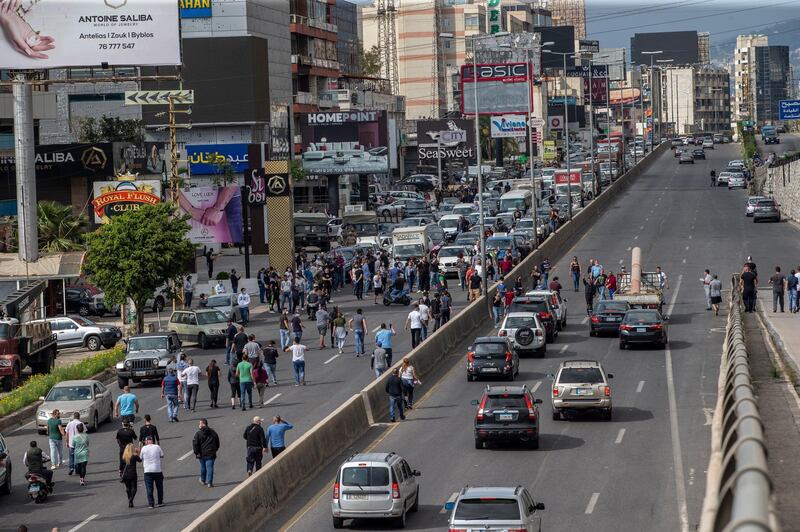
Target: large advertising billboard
x=506 y=126
x=346 y=142
x=43 y=34
x=205 y=159
x=112 y=198
x=215 y=214
x=428 y=145
x=64 y=161
x=502 y=88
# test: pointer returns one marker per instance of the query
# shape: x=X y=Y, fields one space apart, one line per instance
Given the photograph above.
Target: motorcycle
x=402 y=298
x=38 y=489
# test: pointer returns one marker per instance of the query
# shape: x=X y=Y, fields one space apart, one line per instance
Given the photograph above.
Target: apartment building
x=742 y=74
x=697 y=99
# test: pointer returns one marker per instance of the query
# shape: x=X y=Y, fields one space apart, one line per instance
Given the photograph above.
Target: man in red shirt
x=506 y=264
x=555 y=285
x=611 y=285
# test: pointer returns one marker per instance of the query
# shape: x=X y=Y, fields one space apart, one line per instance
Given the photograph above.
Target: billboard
x=72 y=33
x=204 y=159
x=789 y=110
x=505 y=126
x=65 y=161
x=562 y=177
x=148 y=158
x=195 y=8
x=112 y=198
x=614 y=60
x=215 y=214
x=680 y=46
x=502 y=88
x=563 y=39
x=348 y=142
x=427 y=140
x=598 y=91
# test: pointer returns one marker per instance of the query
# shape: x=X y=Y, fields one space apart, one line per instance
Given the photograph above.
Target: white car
x=464 y=209
x=750 y=206
x=527 y=332
x=708 y=144
x=449 y=224
x=723 y=178
x=448 y=257
x=736 y=181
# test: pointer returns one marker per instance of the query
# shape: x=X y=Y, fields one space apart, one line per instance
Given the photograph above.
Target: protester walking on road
x=260 y=379
x=130 y=477
x=706 y=280
x=791 y=288
x=81 y=444
x=230 y=335
x=748 y=284
x=378 y=363
x=243 y=300
x=394 y=388
x=414 y=323
x=297 y=327
x=271 y=362
x=339 y=330
x=715 y=293
x=127 y=405
x=410 y=381
x=212 y=374
x=171 y=390
x=322 y=318
x=298 y=351
x=205 y=446
x=252 y=349
x=72 y=430
x=55 y=436
x=148 y=429
x=497 y=308
x=182 y=364
x=358 y=326
x=384 y=338
x=276 y=435
x=151 y=455
x=244 y=371
x=588 y=292
x=125 y=436
x=233 y=380
x=778 y=283
x=239 y=341
x=575 y=272
x=192 y=374
x=256 y=443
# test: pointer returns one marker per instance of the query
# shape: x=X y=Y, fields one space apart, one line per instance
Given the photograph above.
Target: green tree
x=371 y=62
x=60 y=229
x=137 y=253
x=110 y=129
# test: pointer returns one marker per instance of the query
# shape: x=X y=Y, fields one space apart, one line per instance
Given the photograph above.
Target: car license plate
x=34 y=488
x=641 y=329
x=505 y=417
x=358 y=497
x=583 y=391
x=139 y=373
x=490 y=370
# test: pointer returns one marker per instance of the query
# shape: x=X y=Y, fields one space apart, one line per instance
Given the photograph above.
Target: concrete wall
x=783 y=183
x=260 y=496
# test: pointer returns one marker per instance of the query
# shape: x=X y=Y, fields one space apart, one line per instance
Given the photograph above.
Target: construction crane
x=387 y=43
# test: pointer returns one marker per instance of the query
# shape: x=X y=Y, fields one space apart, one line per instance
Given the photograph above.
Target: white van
x=516 y=199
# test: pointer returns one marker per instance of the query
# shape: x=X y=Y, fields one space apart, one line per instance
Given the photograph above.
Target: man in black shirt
x=748 y=284
x=125 y=435
x=271 y=361
x=256 y=445
x=394 y=387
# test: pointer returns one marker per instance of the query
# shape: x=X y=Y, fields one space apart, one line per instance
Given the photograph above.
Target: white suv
x=374 y=486
x=495 y=508
x=527 y=332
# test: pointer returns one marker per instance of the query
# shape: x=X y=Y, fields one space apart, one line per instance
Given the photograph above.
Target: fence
x=738 y=486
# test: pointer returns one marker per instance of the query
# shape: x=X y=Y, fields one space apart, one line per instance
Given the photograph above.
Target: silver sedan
x=90 y=398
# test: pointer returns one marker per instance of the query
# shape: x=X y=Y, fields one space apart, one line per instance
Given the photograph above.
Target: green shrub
x=223 y=276
x=39 y=385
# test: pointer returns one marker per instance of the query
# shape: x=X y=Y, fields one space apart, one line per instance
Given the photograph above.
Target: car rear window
x=505 y=401
x=642 y=317
x=579 y=375
x=487 y=508
x=529 y=305
x=519 y=322
x=612 y=306
x=490 y=349
x=766 y=203
x=365 y=476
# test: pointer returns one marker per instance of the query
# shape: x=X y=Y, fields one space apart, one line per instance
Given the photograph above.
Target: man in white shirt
x=192 y=376
x=220 y=288
x=298 y=352
x=72 y=430
x=151 y=455
x=243 y=300
x=414 y=322
x=424 y=316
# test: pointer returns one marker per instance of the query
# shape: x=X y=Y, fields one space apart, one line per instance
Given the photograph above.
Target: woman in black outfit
x=212 y=372
x=589 y=291
x=129 y=475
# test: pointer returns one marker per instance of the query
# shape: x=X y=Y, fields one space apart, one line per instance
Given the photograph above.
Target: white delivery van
x=516 y=199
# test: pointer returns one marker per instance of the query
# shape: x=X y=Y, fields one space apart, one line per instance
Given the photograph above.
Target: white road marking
x=690 y=237
x=25 y=425
x=268 y=401
x=684 y=261
x=83 y=523
x=640 y=387
x=536 y=386
x=452 y=498
x=629 y=248
x=620 y=435
x=636 y=237
x=647 y=219
x=584 y=320
x=677 y=453
x=563 y=348
x=185 y=456
x=641 y=227
x=687 y=248
x=376 y=329
x=592 y=503
x=620 y=261
x=160 y=408
x=334 y=357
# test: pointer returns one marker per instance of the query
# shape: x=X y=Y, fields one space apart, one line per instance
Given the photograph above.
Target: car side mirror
x=449 y=505
x=41 y=397
x=610 y=375
x=416 y=473
x=539 y=506
x=474 y=402
x=537 y=401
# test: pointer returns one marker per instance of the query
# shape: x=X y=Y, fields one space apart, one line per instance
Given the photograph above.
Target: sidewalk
x=784 y=328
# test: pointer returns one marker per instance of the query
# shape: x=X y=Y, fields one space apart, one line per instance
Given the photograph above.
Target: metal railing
x=738 y=485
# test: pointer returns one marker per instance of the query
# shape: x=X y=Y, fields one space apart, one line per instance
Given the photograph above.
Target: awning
x=623 y=96
x=49 y=266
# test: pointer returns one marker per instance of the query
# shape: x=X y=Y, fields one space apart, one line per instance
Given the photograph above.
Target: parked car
x=526 y=331
x=374 y=486
x=643 y=326
x=750 y=205
x=81 y=301
x=90 y=398
x=767 y=209
x=722 y=178
x=736 y=181
x=492 y=356
x=77 y=331
x=204 y=326
x=5 y=467
x=147 y=356
x=581 y=386
x=227 y=304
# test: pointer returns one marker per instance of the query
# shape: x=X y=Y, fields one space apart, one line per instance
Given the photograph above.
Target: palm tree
x=59 y=228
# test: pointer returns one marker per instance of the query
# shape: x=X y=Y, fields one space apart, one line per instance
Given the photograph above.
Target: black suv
x=541 y=305
x=492 y=356
x=507 y=414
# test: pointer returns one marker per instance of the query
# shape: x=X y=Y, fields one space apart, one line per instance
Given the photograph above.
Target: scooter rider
x=34 y=459
x=398 y=288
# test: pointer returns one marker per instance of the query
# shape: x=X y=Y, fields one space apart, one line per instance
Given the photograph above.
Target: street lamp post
x=661 y=103
x=566 y=129
x=652 y=54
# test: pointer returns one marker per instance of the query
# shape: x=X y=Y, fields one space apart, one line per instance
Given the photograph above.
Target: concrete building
x=697 y=99
x=743 y=101
x=769 y=81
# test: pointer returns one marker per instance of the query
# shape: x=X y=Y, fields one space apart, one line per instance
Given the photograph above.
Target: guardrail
x=738 y=485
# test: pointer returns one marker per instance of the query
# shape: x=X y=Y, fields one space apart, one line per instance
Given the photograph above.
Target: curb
x=777 y=341
x=21 y=416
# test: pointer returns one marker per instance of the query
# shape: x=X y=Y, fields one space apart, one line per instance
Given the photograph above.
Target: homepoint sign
x=505 y=126
x=319 y=119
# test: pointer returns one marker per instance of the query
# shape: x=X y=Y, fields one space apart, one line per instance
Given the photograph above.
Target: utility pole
x=24 y=157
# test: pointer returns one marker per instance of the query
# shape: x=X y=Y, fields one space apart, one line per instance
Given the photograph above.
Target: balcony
x=304 y=98
x=307 y=60
x=312 y=27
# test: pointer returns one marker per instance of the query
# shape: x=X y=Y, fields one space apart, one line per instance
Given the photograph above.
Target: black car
x=492 y=356
x=542 y=306
x=699 y=154
x=80 y=301
x=421 y=183
x=607 y=316
x=507 y=414
x=643 y=326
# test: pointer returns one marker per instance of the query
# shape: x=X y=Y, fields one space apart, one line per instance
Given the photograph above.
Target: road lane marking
x=563 y=348
x=185 y=456
x=687 y=248
x=592 y=503
x=83 y=523
x=23 y=426
x=636 y=237
x=536 y=386
x=584 y=320
x=641 y=227
x=268 y=401
x=620 y=261
x=640 y=387
x=629 y=248
x=690 y=237
x=620 y=435
x=334 y=357
x=677 y=453
x=684 y=261
x=160 y=408
x=376 y=329
x=450 y=499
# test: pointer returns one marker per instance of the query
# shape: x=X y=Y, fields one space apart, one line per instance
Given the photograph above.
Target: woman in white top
x=408 y=375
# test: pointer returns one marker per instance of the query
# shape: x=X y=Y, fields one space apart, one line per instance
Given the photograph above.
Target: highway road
x=645 y=470
x=331 y=379
x=790 y=142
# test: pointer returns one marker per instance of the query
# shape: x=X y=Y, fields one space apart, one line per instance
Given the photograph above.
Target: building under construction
x=568 y=13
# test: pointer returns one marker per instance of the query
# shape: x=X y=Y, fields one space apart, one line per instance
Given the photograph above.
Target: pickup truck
x=650 y=294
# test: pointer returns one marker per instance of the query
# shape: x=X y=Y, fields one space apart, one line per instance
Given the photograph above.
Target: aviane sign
x=505 y=126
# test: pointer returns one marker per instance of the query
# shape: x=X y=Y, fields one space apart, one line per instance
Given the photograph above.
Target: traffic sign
x=789 y=110
x=453 y=136
x=537 y=122
x=158 y=97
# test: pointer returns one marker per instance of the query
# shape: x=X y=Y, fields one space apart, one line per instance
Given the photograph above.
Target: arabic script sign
x=205 y=159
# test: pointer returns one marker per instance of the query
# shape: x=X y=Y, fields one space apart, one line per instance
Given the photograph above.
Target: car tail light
x=508 y=357
x=607 y=391
x=335 y=490
x=531 y=411
x=456 y=530
x=538 y=332
x=657 y=326
x=625 y=327
x=555 y=391
x=595 y=319
x=545 y=315
x=503 y=333
x=395 y=491
x=479 y=416
x=516 y=530
x=471 y=356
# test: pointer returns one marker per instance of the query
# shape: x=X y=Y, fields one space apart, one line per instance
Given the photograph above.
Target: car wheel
x=95 y=423
x=202 y=341
x=122 y=382
x=470 y=378
x=534 y=444
x=5 y=489
x=592 y=333
x=338 y=522
x=607 y=415
x=479 y=443
x=622 y=345
x=556 y=415
x=83 y=310
x=511 y=376
x=94 y=343
x=12 y=381
x=401 y=521
x=541 y=352
x=415 y=506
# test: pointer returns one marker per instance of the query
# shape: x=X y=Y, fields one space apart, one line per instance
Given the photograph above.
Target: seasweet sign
x=789 y=110
x=506 y=126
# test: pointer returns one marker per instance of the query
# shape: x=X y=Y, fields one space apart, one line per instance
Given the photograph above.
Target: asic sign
x=509 y=72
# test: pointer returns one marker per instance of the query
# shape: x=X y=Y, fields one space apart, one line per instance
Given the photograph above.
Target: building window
x=472 y=22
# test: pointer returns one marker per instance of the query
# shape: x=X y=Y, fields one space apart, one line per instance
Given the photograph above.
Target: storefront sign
x=206 y=159
x=319 y=119
x=430 y=147
x=66 y=160
x=505 y=126
x=195 y=8
x=112 y=198
x=495 y=16
x=216 y=214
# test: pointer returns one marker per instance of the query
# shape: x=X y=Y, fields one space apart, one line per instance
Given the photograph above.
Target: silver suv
x=147 y=356
x=581 y=385
x=78 y=331
x=495 y=508
x=374 y=486
x=526 y=331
